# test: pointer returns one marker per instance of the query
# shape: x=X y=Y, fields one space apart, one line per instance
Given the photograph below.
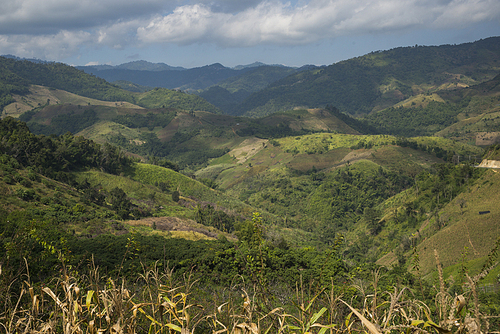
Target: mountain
x=257 y=64
x=141 y=65
x=317 y=170
x=19 y=77
x=160 y=75
x=380 y=79
x=459 y=113
x=229 y=93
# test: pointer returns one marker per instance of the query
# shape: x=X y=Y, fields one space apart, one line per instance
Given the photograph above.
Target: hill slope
x=17 y=76
x=380 y=79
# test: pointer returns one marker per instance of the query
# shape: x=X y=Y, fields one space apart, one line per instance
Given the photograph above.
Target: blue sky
x=193 y=33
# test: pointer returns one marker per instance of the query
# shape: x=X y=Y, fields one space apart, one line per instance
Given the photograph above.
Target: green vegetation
x=294 y=223
x=166 y=98
x=378 y=80
x=18 y=75
x=419 y=121
x=60 y=76
x=227 y=94
x=149 y=120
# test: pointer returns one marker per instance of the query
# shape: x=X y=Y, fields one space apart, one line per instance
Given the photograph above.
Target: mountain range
x=355 y=86
x=379 y=148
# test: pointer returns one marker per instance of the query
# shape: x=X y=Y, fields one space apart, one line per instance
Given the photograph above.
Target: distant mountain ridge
x=380 y=79
x=165 y=76
x=357 y=86
x=17 y=77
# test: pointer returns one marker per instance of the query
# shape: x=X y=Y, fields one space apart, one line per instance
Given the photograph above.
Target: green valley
x=276 y=210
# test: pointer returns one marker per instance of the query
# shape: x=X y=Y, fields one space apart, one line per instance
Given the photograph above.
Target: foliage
x=61 y=76
x=52 y=155
x=69 y=122
x=377 y=80
x=416 y=121
x=18 y=75
x=219 y=219
x=150 y=120
x=161 y=299
x=258 y=128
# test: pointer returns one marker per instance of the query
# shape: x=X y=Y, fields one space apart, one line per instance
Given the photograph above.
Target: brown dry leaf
x=371 y=327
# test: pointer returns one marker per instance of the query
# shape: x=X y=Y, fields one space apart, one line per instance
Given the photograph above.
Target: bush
x=27 y=194
x=26 y=183
x=8 y=179
x=175 y=196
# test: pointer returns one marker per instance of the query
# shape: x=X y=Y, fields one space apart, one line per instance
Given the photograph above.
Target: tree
x=119 y=202
x=251 y=232
x=175 y=196
x=371 y=216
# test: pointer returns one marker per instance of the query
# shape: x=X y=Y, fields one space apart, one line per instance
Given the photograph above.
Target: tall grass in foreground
x=158 y=302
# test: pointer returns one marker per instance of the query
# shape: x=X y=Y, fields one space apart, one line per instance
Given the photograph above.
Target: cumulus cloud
x=61 y=27
x=282 y=23
x=36 y=17
x=458 y=13
x=54 y=47
x=226 y=6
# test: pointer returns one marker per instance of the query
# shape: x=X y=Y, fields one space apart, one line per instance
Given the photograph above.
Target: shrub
x=27 y=194
x=175 y=196
x=26 y=183
x=8 y=179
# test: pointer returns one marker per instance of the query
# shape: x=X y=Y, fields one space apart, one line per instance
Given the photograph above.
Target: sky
x=193 y=33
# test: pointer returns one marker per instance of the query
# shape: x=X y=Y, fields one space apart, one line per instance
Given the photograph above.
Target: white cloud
x=53 y=47
x=281 y=23
x=50 y=16
x=459 y=13
x=55 y=29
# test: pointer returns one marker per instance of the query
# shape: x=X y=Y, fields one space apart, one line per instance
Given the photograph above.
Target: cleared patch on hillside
x=473 y=226
x=40 y=95
x=487 y=138
x=403 y=159
x=324 y=120
x=101 y=131
x=328 y=160
x=247 y=149
x=421 y=100
x=176 y=227
x=169 y=131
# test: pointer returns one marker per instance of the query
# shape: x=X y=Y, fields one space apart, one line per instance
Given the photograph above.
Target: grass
x=466 y=228
x=325 y=142
x=157 y=301
x=40 y=95
x=421 y=100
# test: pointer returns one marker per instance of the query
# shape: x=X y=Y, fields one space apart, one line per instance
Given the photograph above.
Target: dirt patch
x=489 y=164
x=247 y=149
x=169 y=131
x=357 y=155
x=173 y=224
x=40 y=95
x=487 y=138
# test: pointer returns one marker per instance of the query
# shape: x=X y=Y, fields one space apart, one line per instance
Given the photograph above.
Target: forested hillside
x=185 y=79
x=229 y=93
x=380 y=79
x=17 y=76
x=161 y=214
x=63 y=217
